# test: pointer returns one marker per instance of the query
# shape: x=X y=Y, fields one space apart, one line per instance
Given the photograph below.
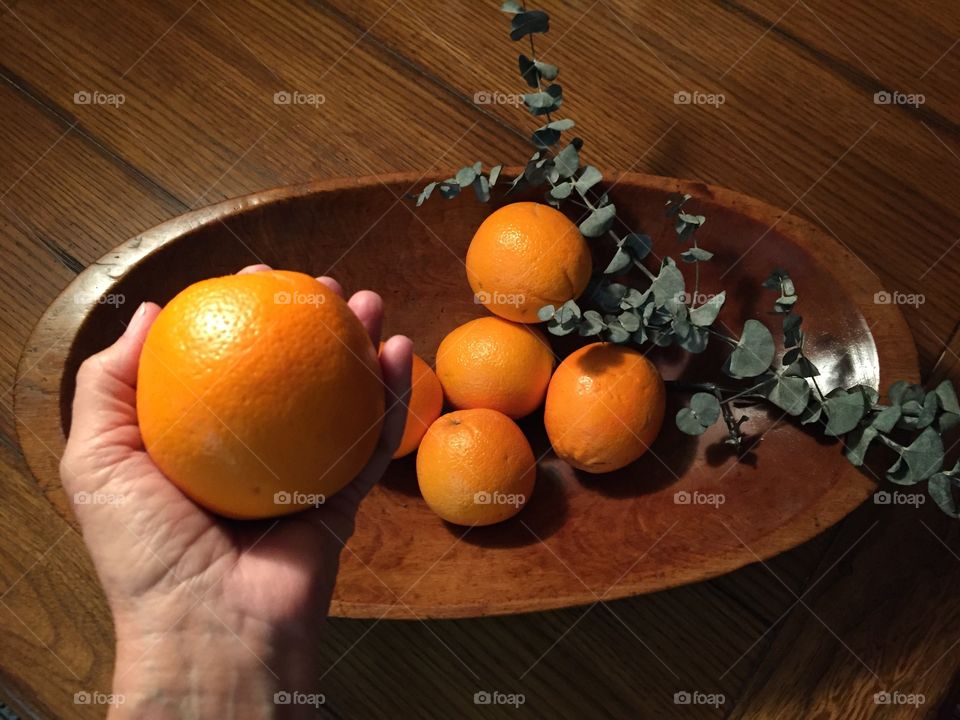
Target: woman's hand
x=213 y=616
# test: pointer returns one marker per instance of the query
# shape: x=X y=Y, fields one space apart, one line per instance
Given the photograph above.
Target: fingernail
x=136 y=319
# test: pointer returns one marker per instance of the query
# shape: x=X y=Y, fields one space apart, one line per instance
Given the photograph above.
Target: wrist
x=212 y=664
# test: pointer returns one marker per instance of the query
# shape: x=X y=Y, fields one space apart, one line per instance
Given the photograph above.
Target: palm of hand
x=154 y=548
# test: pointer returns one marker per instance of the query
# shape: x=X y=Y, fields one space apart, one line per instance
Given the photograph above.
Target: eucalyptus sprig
x=662 y=312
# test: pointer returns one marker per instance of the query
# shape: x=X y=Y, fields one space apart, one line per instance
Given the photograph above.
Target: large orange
x=524 y=256
x=604 y=407
x=494 y=363
x=475 y=467
x=425 y=406
x=258 y=394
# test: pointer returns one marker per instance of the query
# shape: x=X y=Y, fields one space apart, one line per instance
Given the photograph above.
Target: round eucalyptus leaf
x=588 y=178
x=919 y=460
x=527 y=22
x=598 y=222
x=858 y=442
x=753 y=353
x=844 y=410
x=620 y=261
x=703 y=412
x=940 y=487
x=706 y=314
x=790 y=394
x=546 y=312
x=567 y=160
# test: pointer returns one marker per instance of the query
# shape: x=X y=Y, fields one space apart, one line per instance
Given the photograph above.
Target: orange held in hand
x=425 y=406
x=475 y=467
x=604 y=408
x=259 y=394
x=524 y=256
x=497 y=364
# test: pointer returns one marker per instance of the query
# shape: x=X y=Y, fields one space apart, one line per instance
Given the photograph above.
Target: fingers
x=396 y=360
x=260 y=267
x=105 y=398
x=332 y=284
x=368 y=307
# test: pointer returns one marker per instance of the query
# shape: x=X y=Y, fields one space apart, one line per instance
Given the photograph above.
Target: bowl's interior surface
x=581 y=536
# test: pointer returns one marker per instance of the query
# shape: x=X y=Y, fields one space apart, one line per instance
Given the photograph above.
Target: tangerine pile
x=604 y=403
x=265 y=385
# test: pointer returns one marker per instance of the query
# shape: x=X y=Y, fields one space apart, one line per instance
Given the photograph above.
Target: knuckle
x=89 y=370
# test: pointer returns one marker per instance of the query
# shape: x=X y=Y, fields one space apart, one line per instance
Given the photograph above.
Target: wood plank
x=854 y=40
x=200 y=103
x=56 y=628
x=885 y=622
x=63 y=205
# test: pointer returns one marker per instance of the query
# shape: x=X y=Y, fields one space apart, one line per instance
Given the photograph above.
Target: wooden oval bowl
x=581 y=538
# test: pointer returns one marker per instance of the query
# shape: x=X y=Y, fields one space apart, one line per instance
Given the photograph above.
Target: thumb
x=104 y=405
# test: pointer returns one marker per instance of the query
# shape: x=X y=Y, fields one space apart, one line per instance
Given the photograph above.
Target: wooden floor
x=869 y=606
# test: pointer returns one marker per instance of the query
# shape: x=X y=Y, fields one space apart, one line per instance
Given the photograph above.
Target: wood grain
x=403 y=79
